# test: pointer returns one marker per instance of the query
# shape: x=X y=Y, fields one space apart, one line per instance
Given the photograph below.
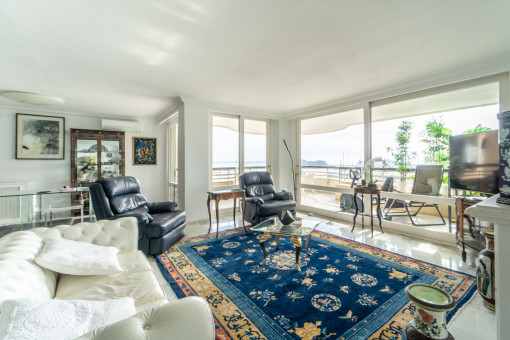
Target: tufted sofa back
x=21 y=277
x=258 y=184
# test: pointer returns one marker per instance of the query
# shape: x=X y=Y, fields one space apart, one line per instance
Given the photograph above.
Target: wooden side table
x=219 y=195
x=369 y=191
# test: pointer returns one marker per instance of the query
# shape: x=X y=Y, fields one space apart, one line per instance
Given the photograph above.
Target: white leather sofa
x=156 y=318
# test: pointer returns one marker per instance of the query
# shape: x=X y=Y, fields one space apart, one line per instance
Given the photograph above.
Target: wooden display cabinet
x=95 y=154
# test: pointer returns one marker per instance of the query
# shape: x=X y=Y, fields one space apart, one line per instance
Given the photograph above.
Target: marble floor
x=474 y=321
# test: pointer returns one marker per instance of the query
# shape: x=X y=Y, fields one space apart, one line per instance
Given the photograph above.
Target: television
x=474 y=162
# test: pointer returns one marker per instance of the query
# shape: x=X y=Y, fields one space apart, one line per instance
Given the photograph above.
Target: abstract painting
x=145 y=151
x=39 y=137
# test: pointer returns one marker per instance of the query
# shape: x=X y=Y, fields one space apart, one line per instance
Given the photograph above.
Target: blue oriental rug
x=345 y=290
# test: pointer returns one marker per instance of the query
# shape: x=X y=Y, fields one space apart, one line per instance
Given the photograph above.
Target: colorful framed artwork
x=39 y=137
x=145 y=151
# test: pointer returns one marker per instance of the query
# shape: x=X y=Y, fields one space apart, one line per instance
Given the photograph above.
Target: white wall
x=51 y=174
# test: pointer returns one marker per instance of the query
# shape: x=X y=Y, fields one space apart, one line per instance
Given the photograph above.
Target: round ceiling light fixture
x=31 y=98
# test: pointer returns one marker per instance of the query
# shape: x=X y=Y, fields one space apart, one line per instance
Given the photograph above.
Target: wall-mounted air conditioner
x=120 y=125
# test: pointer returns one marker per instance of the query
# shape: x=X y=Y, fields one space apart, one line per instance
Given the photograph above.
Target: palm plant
x=476 y=129
x=437 y=136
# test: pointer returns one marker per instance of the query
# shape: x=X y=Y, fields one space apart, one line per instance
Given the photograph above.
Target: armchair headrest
x=116 y=186
x=255 y=178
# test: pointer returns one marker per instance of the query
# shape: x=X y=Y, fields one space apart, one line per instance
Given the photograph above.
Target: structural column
x=498 y=214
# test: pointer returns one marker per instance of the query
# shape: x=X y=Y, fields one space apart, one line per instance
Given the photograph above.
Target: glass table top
x=300 y=227
x=224 y=191
x=41 y=192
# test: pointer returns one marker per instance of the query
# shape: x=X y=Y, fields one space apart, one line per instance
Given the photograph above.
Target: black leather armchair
x=160 y=225
x=262 y=201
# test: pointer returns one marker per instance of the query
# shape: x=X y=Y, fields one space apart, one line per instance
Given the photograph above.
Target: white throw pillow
x=59 y=319
x=78 y=258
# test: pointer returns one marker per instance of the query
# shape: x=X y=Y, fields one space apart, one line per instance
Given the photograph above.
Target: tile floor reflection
x=474 y=321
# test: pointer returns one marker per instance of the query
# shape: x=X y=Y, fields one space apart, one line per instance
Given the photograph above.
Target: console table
x=369 y=191
x=219 y=195
x=33 y=205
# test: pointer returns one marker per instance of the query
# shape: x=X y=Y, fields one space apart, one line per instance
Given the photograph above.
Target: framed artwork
x=145 y=151
x=39 y=137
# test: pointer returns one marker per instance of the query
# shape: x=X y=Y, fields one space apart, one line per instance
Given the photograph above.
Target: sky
x=345 y=147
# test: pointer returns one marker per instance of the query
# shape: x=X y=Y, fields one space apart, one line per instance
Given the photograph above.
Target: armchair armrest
x=254 y=200
x=161 y=207
x=188 y=318
x=283 y=196
x=141 y=215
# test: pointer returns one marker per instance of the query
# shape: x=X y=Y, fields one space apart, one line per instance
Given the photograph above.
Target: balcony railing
x=334 y=176
x=225 y=176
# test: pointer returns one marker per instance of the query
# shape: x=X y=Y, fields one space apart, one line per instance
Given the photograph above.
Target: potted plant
x=368 y=169
x=403 y=155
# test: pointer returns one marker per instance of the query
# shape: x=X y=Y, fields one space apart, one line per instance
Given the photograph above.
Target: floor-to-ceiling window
x=430 y=120
x=239 y=145
x=332 y=149
x=412 y=130
x=398 y=133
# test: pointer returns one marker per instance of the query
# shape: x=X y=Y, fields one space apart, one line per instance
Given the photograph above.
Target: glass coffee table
x=301 y=227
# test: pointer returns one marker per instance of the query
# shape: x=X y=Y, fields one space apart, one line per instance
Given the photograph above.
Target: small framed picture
x=39 y=137
x=145 y=151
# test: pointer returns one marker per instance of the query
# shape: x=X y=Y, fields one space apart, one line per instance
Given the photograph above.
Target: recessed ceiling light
x=31 y=98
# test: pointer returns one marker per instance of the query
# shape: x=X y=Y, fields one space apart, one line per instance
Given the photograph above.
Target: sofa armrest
x=161 y=207
x=120 y=233
x=187 y=319
x=283 y=196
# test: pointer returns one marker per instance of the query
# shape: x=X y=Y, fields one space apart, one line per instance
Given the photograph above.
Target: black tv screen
x=474 y=162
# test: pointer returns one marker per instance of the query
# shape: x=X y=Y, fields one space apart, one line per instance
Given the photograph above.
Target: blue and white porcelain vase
x=504 y=157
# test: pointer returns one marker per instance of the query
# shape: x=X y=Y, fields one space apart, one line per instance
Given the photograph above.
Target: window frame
x=241 y=120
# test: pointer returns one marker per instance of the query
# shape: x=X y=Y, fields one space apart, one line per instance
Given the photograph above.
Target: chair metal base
x=387 y=214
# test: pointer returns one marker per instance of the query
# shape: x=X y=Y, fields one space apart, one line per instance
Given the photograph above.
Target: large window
x=330 y=146
x=429 y=121
x=238 y=145
x=225 y=150
x=398 y=133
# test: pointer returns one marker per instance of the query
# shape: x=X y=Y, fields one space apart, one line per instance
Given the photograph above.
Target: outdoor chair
x=427 y=181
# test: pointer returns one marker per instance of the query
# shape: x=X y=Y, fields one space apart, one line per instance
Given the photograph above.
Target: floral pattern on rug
x=346 y=290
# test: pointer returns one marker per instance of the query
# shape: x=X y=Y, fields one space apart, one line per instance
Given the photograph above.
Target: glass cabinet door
x=86 y=160
x=111 y=158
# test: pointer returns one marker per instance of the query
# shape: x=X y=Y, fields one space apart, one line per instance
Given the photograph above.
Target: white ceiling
x=132 y=58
